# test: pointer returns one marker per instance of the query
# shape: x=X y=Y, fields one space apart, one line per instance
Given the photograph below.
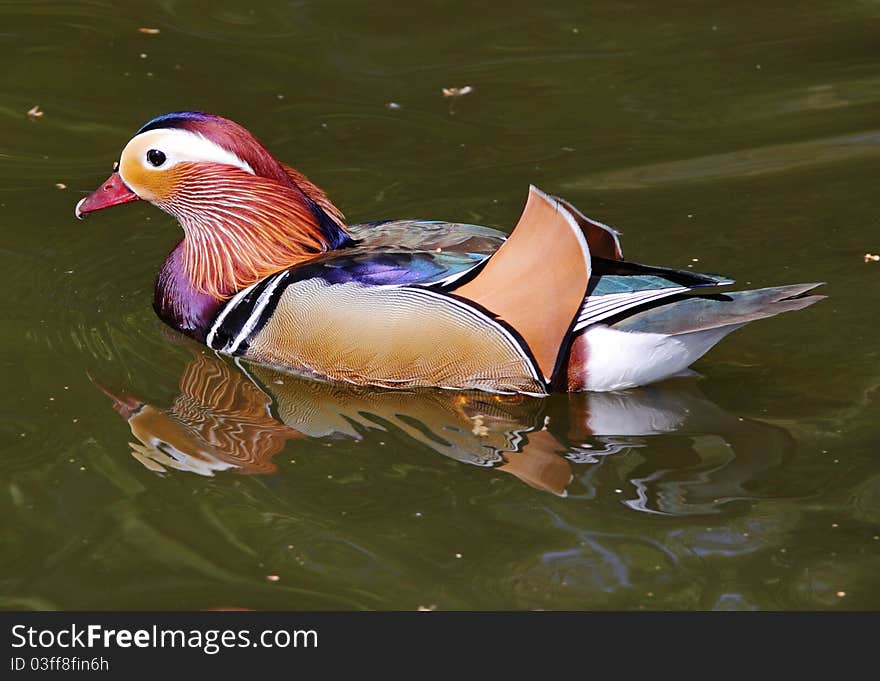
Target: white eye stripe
x=180 y=146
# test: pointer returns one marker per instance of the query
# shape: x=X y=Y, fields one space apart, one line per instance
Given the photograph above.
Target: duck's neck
x=241 y=228
x=178 y=303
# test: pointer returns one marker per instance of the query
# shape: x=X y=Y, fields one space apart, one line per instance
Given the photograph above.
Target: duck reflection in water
x=237 y=417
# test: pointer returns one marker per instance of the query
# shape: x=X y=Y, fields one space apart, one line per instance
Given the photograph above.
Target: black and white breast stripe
x=597 y=308
x=245 y=315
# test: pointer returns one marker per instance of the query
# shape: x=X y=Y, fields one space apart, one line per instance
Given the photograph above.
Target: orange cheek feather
x=151 y=185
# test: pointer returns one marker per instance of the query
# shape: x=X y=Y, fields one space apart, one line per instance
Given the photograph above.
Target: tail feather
x=689 y=314
x=662 y=341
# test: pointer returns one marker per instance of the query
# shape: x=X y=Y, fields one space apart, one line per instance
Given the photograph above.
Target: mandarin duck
x=269 y=271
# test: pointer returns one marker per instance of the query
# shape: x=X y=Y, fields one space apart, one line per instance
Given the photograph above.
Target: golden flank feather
x=392 y=337
x=240 y=227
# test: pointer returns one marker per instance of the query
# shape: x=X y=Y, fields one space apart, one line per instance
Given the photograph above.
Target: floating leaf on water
x=457 y=91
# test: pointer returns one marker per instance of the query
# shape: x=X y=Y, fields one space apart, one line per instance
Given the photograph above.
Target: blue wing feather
x=383 y=268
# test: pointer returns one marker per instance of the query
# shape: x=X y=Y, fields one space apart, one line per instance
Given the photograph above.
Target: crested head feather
x=228 y=135
x=238 y=140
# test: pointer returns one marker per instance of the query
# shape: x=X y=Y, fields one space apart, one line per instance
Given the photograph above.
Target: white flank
x=622 y=359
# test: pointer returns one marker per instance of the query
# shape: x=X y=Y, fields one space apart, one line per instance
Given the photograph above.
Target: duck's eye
x=155 y=157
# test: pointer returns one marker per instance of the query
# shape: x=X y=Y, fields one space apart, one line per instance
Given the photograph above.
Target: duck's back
x=427 y=235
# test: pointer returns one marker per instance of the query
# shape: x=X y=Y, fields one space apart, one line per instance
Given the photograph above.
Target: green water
x=739 y=138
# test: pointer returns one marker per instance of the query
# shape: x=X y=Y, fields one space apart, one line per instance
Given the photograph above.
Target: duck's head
x=244 y=213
